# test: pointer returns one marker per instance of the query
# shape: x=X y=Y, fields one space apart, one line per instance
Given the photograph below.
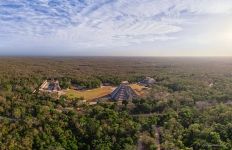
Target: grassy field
x=100 y=92
x=139 y=89
x=90 y=94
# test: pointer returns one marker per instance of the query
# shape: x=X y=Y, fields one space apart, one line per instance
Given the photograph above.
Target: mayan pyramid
x=123 y=92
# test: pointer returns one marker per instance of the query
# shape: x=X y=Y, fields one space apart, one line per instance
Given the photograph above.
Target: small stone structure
x=148 y=81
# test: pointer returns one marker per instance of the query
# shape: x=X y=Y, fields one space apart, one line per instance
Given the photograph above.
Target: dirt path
x=140 y=144
x=157 y=136
x=157 y=131
x=11 y=119
x=145 y=115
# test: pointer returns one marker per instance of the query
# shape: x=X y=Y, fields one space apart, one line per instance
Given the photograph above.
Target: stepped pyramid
x=54 y=86
x=50 y=86
x=123 y=92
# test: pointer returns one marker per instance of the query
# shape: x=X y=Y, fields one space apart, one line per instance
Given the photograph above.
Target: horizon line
x=161 y=56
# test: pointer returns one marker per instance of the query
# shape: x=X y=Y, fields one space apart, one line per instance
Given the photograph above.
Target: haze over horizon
x=116 y=27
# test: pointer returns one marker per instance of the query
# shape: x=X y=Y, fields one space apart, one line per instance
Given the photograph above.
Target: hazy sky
x=116 y=27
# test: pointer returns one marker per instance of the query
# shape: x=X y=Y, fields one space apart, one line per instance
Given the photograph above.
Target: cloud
x=101 y=23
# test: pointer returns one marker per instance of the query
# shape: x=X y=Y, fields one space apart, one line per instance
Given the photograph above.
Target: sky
x=116 y=27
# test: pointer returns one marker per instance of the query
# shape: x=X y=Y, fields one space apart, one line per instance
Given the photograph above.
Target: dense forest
x=189 y=107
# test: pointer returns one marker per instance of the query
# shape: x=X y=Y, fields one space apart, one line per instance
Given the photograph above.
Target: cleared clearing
x=100 y=92
x=90 y=94
x=139 y=89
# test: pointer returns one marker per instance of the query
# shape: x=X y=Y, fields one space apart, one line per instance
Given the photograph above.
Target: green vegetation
x=188 y=108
